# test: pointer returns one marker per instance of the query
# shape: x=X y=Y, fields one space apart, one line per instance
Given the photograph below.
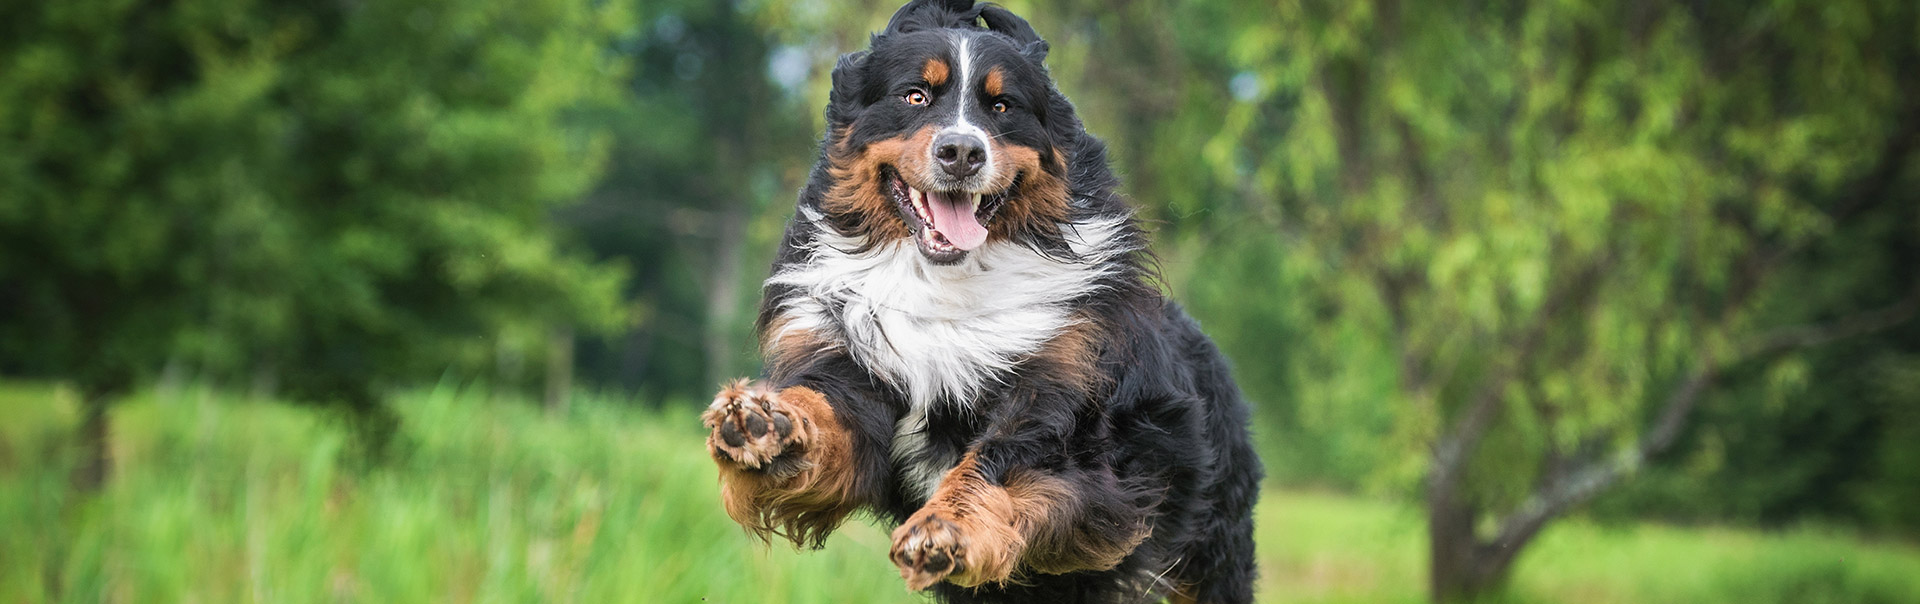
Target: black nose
x=961 y=155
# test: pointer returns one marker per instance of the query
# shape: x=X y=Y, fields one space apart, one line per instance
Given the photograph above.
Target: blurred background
x=1564 y=301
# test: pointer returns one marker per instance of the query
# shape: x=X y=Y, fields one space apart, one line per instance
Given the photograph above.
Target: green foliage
x=1559 y=177
x=1564 y=208
x=706 y=154
x=1828 y=435
x=334 y=194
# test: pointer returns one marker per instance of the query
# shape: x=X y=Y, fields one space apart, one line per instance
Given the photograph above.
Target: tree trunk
x=559 y=369
x=509 y=367
x=1451 y=566
x=723 y=292
x=1462 y=567
x=95 y=462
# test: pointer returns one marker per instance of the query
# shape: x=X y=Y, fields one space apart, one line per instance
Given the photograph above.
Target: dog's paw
x=751 y=429
x=927 y=549
x=931 y=547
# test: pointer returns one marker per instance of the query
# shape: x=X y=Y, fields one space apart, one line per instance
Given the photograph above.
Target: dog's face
x=943 y=132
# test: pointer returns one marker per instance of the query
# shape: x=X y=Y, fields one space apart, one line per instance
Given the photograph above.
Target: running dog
x=963 y=337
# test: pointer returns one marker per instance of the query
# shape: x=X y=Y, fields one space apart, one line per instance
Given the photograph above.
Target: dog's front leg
x=1016 y=500
x=786 y=462
x=976 y=529
x=970 y=531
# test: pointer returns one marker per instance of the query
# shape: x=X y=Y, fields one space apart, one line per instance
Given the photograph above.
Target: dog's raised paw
x=749 y=427
x=927 y=549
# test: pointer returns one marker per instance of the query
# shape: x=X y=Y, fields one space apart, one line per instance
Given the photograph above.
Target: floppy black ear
x=847 y=94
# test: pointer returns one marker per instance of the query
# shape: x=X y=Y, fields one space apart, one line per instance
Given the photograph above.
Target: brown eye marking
x=996 y=83
x=935 y=72
x=916 y=98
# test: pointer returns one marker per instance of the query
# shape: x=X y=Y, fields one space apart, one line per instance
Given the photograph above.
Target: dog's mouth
x=946 y=224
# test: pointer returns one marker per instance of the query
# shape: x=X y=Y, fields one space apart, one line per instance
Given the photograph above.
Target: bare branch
x=1678 y=407
x=1579 y=485
x=1808 y=336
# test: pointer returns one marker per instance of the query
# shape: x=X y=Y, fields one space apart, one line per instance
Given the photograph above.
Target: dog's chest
x=937 y=334
x=940 y=335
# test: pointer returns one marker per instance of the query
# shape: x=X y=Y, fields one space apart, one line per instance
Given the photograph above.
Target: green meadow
x=216 y=498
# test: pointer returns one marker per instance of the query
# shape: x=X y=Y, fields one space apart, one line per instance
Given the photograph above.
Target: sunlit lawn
x=220 y=500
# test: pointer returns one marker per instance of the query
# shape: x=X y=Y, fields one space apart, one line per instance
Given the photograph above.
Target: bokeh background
x=416 y=301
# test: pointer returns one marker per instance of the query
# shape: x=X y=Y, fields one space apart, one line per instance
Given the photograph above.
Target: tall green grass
x=217 y=499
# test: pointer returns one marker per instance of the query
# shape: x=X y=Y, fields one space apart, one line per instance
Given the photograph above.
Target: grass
x=1328 y=548
x=216 y=499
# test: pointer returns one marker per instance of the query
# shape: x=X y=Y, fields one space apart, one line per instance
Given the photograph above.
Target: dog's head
x=948 y=131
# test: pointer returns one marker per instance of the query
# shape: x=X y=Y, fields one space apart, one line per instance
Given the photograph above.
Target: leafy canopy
x=334 y=193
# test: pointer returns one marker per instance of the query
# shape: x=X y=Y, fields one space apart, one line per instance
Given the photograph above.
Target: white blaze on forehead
x=962 y=91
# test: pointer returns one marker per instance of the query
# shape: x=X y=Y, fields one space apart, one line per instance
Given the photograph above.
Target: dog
x=963 y=337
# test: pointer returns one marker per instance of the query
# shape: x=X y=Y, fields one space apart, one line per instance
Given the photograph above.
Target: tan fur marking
x=1073 y=355
x=1054 y=545
x=1057 y=542
x=967 y=519
x=935 y=72
x=806 y=505
x=1179 y=596
x=781 y=348
x=995 y=82
x=856 y=188
x=1039 y=205
x=991 y=531
x=1041 y=201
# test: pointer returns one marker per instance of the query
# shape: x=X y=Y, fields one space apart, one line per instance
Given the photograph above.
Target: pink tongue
x=953 y=217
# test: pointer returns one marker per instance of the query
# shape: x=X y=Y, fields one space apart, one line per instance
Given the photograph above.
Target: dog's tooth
x=976 y=201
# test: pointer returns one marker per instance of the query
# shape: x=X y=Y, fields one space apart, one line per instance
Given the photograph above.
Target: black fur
x=1161 y=441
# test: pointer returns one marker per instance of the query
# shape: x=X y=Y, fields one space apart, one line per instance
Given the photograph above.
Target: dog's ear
x=846 y=78
x=848 y=93
x=932 y=14
x=1036 y=51
x=1001 y=20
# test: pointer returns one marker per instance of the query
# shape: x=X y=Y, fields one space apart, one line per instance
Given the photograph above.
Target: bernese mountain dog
x=963 y=336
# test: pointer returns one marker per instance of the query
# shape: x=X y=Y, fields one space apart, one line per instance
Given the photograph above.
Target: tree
x=335 y=194
x=705 y=159
x=1565 y=222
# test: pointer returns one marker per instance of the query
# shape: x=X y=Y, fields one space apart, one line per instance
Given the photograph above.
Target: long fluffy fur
x=1035 y=408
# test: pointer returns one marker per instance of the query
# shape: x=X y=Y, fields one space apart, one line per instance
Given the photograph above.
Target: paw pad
x=750 y=428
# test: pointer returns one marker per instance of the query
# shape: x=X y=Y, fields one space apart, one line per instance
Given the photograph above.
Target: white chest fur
x=941 y=333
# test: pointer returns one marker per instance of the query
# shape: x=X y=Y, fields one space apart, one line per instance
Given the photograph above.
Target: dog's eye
x=916 y=98
x=1001 y=107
